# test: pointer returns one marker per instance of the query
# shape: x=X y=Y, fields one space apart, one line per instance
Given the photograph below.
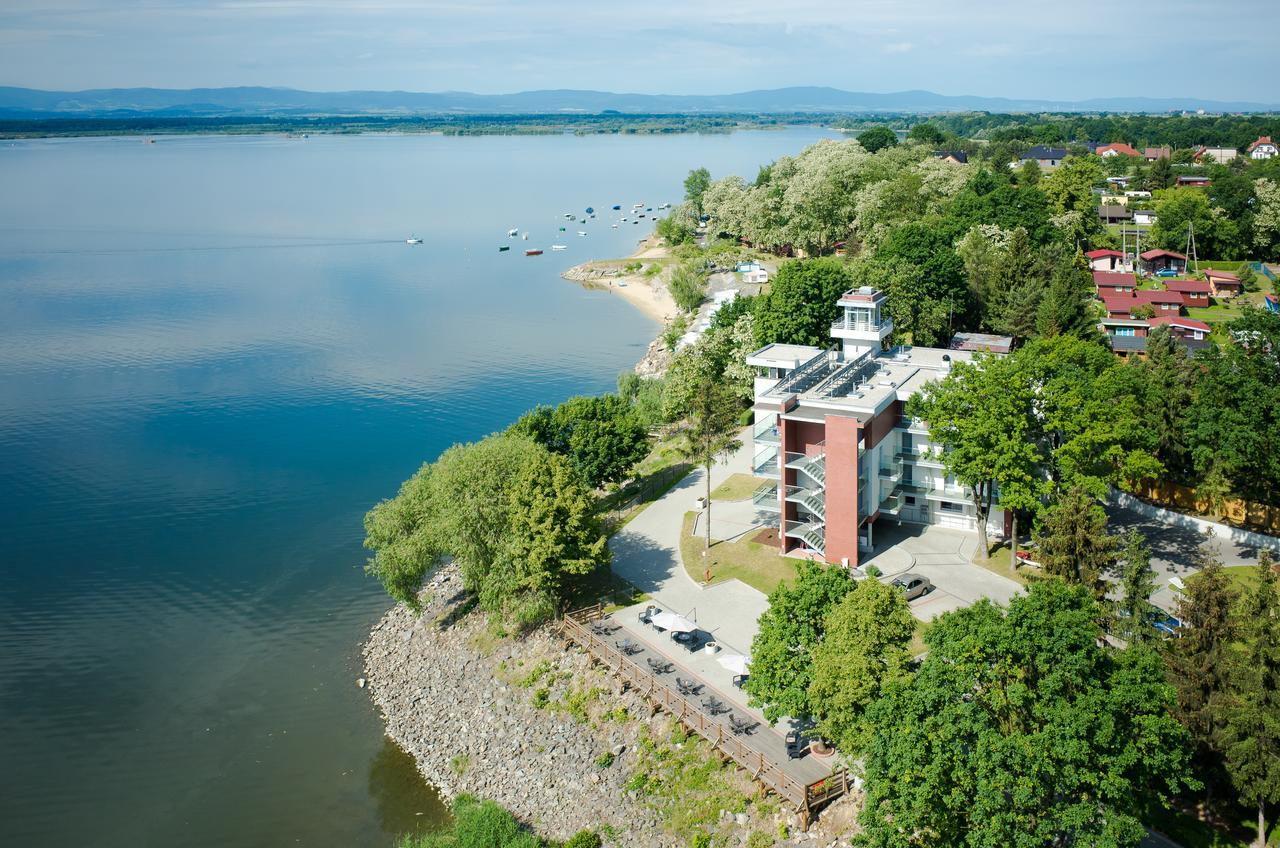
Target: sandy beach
x=647 y=294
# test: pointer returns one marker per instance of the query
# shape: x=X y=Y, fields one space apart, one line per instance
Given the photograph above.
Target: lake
x=215 y=354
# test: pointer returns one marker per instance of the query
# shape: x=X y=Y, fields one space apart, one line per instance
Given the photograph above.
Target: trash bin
x=711 y=647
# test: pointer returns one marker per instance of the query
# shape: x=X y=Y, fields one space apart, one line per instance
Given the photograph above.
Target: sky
x=1026 y=49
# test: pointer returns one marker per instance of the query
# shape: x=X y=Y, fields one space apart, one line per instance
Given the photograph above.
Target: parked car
x=1166 y=272
x=912 y=586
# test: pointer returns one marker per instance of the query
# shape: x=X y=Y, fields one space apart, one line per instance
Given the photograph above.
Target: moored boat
x=533 y=251
x=413 y=240
x=617 y=206
x=504 y=247
x=514 y=232
x=559 y=246
x=582 y=232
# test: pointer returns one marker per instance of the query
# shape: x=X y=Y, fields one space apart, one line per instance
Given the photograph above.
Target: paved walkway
x=647 y=554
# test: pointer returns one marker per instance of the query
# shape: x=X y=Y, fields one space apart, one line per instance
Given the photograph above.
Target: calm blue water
x=215 y=355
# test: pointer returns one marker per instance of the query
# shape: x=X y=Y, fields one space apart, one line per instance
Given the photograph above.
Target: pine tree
x=1199 y=662
x=1251 y=734
x=1137 y=582
x=1073 y=542
x=1169 y=377
x=1067 y=306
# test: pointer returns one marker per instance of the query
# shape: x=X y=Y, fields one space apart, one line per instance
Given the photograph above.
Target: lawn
x=738 y=487
x=754 y=563
x=998 y=563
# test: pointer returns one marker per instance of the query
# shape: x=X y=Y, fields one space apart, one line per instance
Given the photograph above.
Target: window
x=948 y=506
x=910 y=500
x=1125 y=331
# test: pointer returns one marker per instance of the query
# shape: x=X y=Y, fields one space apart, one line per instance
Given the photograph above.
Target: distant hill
x=259 y=101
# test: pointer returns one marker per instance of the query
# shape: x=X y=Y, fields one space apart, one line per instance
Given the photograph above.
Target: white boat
x=413 y=240
x=559 y=247
x=524 y=236
x=582 y=232
x=615 y=226
x=514 y=232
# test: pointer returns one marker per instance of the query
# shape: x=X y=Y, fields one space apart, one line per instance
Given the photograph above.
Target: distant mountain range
x=259 y=101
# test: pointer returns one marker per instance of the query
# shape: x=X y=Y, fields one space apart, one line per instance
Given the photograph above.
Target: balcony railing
x=766 y=431
x=885 y=325
x=765 y=463
x=929 y=455
x=812 y=533
x=892 y=504
x=766 y=498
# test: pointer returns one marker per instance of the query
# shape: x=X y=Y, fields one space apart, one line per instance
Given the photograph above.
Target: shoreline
x=647 y=294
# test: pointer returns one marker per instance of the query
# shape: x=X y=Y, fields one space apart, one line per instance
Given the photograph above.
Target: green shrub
x=535 y=674
x=701 y=839
x=604 y=760
x=688 y=287
x=584 y=839
x=873 y=571
x=541 y=698
x=476 y=824
x=758 y=840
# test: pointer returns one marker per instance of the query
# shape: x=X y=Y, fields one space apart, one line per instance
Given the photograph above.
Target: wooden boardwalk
x=763 y=765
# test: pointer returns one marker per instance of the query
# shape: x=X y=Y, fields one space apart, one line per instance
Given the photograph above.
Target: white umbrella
x=735 y=663
x=673 y=622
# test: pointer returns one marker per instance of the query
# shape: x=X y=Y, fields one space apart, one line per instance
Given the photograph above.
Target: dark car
x=912 y=586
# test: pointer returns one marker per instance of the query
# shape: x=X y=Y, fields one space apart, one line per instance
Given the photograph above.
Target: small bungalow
x=1193 y=181
x=1195 y=293
x=1122 y=182
x=1151 y=154
x=1117 y=149
x=1137 y=194
x=981 y=341
x=1124 y=326
x=1263 y=148
x=955 y=157
x=1108 y=260
x=1183 y=328
x=1221 y=155
x=1154 y=261
x=1144 y=217
x=1048 y=158
x=1222 y=284
x=1114 y=214
x=1119 y=305
x=1163 y=302
x=1114 y=283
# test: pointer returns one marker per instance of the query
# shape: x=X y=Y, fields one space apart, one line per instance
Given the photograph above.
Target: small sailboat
x=413 y=240
x=582 y=232
x=559 y=247
x=524 y=236
x=615 y=226
x=533 y=251
x=504 y=248
x=514 y=232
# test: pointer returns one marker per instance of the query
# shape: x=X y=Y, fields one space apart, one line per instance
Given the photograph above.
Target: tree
x=1167 y=380
x=981 y=414
x=863 y=653
x=1266 y=220
x=800 y=306
x=1251 y=733
x=688 y=287
x=878 y=138
x=1073 y=542
x=516 y=518
x=680 y=226
x=1160 y=176
x=933 y=295
x=1021 y=729
x=1199 y=663
x=599 y=434
x=1137 y=582
x=695 y=186
x=709 y=429
x=926 y=133
x=1069 y=186
x=1066 y=309
x=789 y=631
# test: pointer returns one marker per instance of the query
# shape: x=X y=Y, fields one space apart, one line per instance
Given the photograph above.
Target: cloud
x=896 y=47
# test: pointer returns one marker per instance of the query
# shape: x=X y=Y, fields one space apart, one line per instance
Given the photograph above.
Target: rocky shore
x=539 y=729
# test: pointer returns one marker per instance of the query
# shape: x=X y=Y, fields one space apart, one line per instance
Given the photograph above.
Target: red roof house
x=1263 y=148
x=1184 y=328
x=1195 y=293
x=1162 y=260
x=1119 y=306
x=1113 y=283
x=1107 y=260
x=1222 y=284
x=1164 y=302
x=1117 y=149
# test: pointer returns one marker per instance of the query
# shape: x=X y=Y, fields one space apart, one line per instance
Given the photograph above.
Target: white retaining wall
x=1244 y=538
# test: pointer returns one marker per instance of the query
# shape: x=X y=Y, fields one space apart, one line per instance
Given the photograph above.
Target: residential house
x=1047 y=157
x=955 y=157
x=1116 y=149
x=832 y=437
x=755 y=275
x=1109 y=283
x=1195 y=293
x=1193 y=181
x=1135 y=194
x=1223 y=284
x=1108 y=260
x=1151 y=154
x=1114 y=214
x=1123 y=328
x=1187 y=329
x=1263 y=148
x=1162 y=302
x=1221 y=155
x=1122 y=182
x=1144 y=217
x=1119 y=305
x=1113 y=200
x=981 y=342
x=1152 y=261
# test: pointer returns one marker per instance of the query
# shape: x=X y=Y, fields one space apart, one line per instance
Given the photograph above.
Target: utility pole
x=1191 y=246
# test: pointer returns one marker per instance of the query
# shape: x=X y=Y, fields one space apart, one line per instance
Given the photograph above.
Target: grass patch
x=759 y=566
x=917 y=646
x=997 y=562
x=682 y=779
x=738 y=487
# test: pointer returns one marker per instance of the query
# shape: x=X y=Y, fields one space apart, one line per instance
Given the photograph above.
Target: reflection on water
x=215 y=355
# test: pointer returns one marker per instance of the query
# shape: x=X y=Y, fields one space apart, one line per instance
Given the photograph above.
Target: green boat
x=504 y=248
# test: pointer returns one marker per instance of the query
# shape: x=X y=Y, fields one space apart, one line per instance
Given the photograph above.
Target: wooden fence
x=807 y=798
x=1241 y=513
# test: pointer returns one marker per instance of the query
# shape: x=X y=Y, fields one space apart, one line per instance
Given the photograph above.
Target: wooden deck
x=763 y=761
